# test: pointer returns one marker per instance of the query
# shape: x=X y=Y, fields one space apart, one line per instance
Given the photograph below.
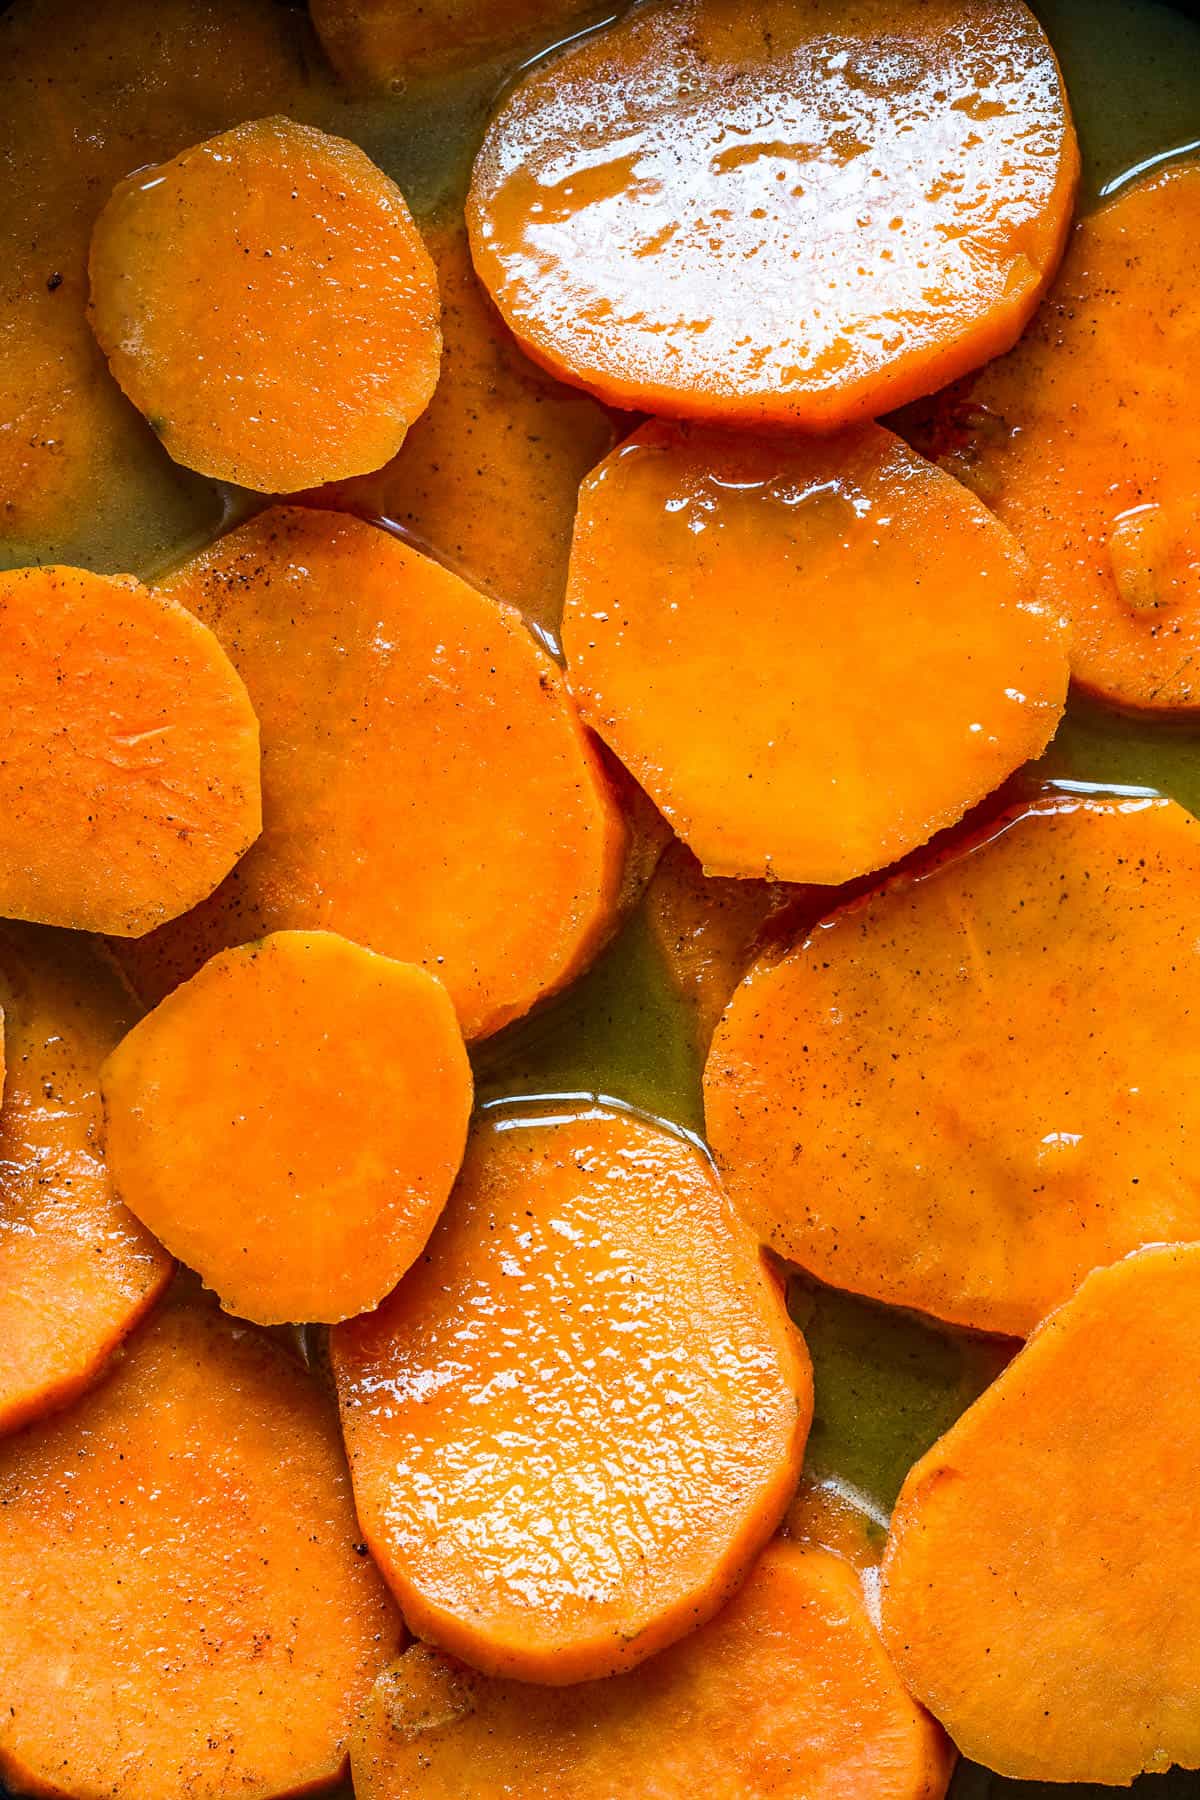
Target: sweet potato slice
x=428 y=790
x=301 y=1169
x=707 y=928
x=129 y=767
x=1024 y=1598
x=489 y=475
x=831 y=1515
x=178 y=1555
x=580 y=1416
x=787 y=1693
x=77 y=1271
x=87 y=93
x=967 y=1090
x=742 y=615
x=1085 y=442
x=776 y=214
x=382 y=45
x=267 y=302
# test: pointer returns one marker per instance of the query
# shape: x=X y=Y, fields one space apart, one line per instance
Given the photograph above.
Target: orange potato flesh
x=741 y=616
x=300 y=1170
x=87 y=94
x=828 y=1515
x=708 y=927
x=76 y=1270
x=965 y=1091
x=383 y=44
x=581 y=1415
x=744 y=210
x=489 y=475
x=1085 y=442
x=427 y=788
x=1023 y=1600
x=267 y=302
x=786 y=1694
x=182 y=1607
x=129 y=762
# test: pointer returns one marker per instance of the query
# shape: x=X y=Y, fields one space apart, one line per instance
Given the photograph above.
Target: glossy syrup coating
x=184 y=1611
x=290 y=1121
x=966 y=1090
x=1039 y=1588
x=812 y=654
x=428 y=790
x=77 y=1271
x=582 y=1413
x=787 y=1694
x=1085 y=441
x=767 y=213
x=267 y=302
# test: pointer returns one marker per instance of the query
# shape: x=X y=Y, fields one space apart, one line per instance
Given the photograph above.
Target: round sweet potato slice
x=267 y=302
x=765 y=213
x=1037 y=1587
x=129 y=760
x=787 y=1694
x=964 y=1091
x=582 y=1413
x=77 y=1271
x=428 y=789
x=1085 y=442
x=743 y=616
x=179 y=1556
x=290 y=1122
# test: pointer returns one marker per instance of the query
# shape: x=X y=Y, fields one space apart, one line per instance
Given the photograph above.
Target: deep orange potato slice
x=1039 y=1587
x=580 y=1416
x=87 y=93
x=129 y=762
x=812 y=655
x=766 y=213
x=830 y=1515
x=489 y=475
x=708 y=928
x=300 y=1168
x=267 y=302
x=382 y=45
x=1085 y=442
x=427 y=788
x=787 y=1694
x=77 y=1271
x=965 y=1091
x=183 y=1610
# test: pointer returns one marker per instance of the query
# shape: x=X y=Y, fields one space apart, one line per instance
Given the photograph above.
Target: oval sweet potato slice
x=742 y=614
x=300 y=1168
x=129 y=762
x=966 y=1090
x=77 y=1271
x=787 y=1694
x=267 y=302
x=428 y=790
x=178 y=1555
x=1037 y=1587
x=1085 y=442
x=580 y=1416
x=765 y=213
